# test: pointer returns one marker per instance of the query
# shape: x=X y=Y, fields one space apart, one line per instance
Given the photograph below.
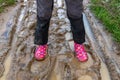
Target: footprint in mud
x=67 y=67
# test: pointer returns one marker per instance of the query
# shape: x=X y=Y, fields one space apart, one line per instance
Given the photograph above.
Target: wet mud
x=17 y=49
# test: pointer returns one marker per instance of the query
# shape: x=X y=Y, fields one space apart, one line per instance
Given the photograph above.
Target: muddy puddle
x=17 y=47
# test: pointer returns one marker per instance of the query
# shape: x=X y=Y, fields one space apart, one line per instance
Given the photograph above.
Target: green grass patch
x=108 y=11
x=5 y=3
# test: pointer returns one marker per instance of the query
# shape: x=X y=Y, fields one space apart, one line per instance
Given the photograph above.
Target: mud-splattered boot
x=41 y=52
x=80 y=52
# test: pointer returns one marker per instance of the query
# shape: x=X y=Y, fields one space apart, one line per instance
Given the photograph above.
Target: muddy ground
x=16 y=47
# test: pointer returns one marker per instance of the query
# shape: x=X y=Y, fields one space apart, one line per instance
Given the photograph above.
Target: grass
x=108 y=11
x=5 y=3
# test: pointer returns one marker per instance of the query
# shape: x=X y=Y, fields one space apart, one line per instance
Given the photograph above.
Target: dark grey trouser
x=44 y=13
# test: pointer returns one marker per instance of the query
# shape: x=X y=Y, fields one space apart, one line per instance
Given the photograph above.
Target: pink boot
x=81 y=54
x=41 y=52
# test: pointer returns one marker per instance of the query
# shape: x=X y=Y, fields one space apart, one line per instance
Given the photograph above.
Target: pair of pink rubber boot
x=80 y=53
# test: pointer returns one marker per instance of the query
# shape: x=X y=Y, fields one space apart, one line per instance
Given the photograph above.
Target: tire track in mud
x=105 y=44
x=60 y=64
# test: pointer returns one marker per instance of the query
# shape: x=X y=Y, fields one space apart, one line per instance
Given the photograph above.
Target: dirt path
x=4 y=17
x=16 y=49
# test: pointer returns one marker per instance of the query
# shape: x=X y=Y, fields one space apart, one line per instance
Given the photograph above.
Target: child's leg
x=74 y=12
x=44 y=12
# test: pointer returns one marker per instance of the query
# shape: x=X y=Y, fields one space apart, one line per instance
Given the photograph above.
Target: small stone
x=68 y=36
x=71 y=45
x=61 y=31
x=31 y=25
x=67 y=20
x=61 y=14
x=60 y=11
x=59 y=3
x=66 y=27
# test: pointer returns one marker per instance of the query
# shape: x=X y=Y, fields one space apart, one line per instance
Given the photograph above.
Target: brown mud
x=16 y=48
